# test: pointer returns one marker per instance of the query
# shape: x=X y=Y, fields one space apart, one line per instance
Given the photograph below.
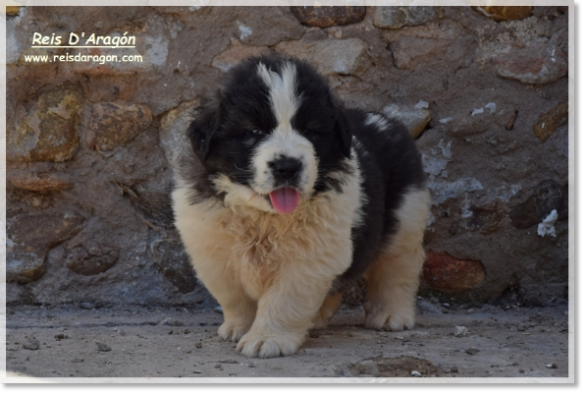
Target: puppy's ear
x=202 y=130
x=342 y=132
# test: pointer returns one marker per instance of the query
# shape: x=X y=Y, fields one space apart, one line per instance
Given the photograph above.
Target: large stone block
x=443 y=42
x=236 y=53
x=115 y=124
x=329 y=56
x=546 y=197
x=92 y=261
x=448 y=274
x=328 y=16
x=550 y=121
x=397 y=17
x=504 y=13
x=30 y=237
x=38 y=182
x=48 y=131
x=530 y=66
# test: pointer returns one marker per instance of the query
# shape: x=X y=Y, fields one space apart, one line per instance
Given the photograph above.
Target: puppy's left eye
x=255 y=132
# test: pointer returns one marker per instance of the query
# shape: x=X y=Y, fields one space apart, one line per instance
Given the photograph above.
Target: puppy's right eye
x=255 y=132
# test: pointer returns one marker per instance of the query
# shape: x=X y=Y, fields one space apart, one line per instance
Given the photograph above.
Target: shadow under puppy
x=286 y=197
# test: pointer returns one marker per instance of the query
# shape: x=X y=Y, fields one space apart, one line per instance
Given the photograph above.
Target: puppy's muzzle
x=286 y=171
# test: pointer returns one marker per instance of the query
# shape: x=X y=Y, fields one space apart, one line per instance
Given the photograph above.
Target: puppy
x=286 y=197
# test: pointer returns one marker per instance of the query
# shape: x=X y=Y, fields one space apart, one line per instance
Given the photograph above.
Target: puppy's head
x=270 y=135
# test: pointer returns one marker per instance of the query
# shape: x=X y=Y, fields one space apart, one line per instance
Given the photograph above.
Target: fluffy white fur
x=269 y=272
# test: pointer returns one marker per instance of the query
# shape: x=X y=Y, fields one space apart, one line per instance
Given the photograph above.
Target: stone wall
x=89 y=145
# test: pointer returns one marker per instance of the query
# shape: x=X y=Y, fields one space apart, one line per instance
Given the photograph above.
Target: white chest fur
x=252 y=246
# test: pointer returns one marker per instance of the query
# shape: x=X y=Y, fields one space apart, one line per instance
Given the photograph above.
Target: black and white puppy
x=286 y=197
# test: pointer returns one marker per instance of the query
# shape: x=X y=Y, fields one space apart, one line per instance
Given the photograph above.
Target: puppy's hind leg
x=330 y=305
x=392 y=280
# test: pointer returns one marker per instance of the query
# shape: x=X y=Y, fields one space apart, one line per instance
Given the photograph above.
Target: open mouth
x=285 y=199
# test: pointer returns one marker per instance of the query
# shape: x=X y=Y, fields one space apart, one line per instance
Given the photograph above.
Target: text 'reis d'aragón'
x=113 y=41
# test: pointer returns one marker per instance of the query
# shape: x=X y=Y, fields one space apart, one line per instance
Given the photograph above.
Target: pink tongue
x=284 y=200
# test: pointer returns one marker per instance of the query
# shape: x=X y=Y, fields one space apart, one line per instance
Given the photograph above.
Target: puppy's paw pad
x=232 y=332
x=388 y=321
x=263 y=346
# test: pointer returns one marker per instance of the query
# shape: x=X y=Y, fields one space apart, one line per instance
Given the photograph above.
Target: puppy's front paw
x=233 y=330
x=381 y=319
x=267 y=346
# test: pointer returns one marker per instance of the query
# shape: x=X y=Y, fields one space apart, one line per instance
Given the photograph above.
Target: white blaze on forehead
x=282 y=91
x=284 y=141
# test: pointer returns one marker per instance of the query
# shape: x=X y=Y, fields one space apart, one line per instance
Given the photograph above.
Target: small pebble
x=218 y=309
x=32 y=344
x=472 y=351
x=415 y=374
x=521 y=371
x=251 y=365
x=102 y=347
x=196 y=371
x=217 y=366
x=198 y=345
x=551 y=366
x=460 y=331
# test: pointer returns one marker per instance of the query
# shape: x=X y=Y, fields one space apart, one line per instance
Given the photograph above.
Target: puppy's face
x=271 y=135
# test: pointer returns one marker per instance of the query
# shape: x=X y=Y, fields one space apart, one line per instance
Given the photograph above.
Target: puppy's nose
x=285 y=168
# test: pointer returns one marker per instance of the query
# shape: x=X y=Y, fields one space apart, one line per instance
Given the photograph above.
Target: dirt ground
x=54 y=344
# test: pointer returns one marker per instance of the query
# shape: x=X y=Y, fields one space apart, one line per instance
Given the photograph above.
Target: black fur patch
x=390 y=164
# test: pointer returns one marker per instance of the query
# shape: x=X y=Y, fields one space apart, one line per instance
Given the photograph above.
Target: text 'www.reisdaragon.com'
x=100 y=59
